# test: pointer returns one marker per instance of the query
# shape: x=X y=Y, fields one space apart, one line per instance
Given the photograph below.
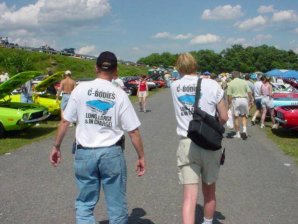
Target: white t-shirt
x=183 y=93
x=118 y=82
x=102 y=111
x=257 y=89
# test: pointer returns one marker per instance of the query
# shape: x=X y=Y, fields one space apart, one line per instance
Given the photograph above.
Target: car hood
x=293 y=96
x=21 y=106
x=16 y=81
x=49 y=81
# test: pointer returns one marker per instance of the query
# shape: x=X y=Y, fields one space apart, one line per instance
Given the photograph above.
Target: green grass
x=16 y=139
x=286 y=140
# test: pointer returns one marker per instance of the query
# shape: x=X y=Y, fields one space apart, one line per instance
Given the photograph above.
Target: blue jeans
x=64 y=101
x=26 y=98
x=95 y=167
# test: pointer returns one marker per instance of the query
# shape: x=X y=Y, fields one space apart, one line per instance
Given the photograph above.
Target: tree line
x=237 y=58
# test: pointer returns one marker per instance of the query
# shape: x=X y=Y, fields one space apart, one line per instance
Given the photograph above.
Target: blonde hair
x=186 y=64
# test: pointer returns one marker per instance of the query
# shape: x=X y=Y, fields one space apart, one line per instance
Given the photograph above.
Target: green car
x=16 y=115
x=41 y=97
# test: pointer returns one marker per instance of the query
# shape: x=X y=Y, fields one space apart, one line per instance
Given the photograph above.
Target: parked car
x=287 y=116
x=16 y=115
x=45 y=94
x=285 y=99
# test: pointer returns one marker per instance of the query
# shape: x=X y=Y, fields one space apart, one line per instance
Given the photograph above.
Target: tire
x=129 y=92
x=2 y=130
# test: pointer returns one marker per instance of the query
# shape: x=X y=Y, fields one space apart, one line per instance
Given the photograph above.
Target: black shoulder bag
x=204 y=130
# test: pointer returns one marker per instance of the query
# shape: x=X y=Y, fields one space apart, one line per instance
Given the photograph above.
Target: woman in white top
x=196 y=164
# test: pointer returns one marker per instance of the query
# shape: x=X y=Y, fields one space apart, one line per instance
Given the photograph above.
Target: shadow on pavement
x=135 y=217
x=200 y=215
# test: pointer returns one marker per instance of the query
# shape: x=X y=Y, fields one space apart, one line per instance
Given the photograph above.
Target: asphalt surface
x=257 y=184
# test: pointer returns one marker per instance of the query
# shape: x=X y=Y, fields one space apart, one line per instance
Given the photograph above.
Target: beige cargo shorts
x=195 y=163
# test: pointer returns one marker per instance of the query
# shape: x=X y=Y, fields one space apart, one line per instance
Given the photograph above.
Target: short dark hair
x=107 y=61
x=247 y=77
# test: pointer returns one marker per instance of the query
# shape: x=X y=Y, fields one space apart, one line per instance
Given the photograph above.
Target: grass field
x=285 y=139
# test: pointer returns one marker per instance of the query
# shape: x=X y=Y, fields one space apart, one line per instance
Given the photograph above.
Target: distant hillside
x=14 y=61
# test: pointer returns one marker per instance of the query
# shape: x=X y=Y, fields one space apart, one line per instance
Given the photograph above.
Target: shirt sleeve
x=128 y=118
x=219 y=94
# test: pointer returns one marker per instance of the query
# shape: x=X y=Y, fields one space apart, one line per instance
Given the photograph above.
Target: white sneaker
x=262 y=125
x=237 y=135
x=275 y=126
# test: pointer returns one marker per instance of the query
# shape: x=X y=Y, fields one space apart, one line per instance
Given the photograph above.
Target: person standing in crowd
x=239 y=98
x=142 y=94
x=267 y=102
x=118 y=82
x=258 y=97
x=205 y=75
x=251 y=87
x=27 y=92
x=168 y=79
x=67 y=85
x=102 y=111
x=195 y=163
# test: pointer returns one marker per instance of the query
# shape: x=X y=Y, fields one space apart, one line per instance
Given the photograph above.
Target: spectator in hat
x=66 y=87
x=102 y=112
x=205 y=75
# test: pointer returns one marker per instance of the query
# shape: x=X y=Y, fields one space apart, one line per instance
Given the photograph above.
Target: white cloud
x=256 y=22
x=87 y=50
x=296 y=30
x=205 y=39
x=183 y=36
x=162 y=35
x=296 y=50
x=262 y=37
x=136 y=49
x=167 y=35
x=44 y=13
x=265 y=9
x=286 y=15
x=233 y=41
x=222 y=12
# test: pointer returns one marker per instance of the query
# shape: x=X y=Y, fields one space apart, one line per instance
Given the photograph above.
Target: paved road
x=257 y=185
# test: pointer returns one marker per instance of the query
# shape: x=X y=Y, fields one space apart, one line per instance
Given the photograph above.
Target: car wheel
x=2 y=130
x=129 y=92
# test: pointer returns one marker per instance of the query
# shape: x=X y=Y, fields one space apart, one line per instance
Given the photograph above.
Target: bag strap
x=197 y=97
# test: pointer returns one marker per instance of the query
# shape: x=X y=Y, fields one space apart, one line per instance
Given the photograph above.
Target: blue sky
x=136 y=28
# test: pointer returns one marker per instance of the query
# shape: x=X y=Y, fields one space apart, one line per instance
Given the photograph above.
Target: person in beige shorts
x=195 y=164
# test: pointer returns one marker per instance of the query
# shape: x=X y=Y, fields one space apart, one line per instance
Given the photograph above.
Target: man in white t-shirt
x=258 y=98
x=195 y=163
x=101 y=111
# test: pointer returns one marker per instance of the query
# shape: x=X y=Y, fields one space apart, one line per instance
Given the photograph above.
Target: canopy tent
x=290 y=74
x=276 y=72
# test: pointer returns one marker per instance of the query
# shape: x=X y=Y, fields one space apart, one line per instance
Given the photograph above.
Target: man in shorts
x=239 y=99
x=66 y=87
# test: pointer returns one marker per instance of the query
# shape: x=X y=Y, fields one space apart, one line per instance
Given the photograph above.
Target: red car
x=287 y=116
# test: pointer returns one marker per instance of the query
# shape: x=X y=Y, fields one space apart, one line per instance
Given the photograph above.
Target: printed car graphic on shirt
x=187 y=99
x=100 y=105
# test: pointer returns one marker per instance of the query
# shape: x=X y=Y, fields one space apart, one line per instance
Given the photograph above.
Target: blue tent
x=275 y=72
x=290 y=74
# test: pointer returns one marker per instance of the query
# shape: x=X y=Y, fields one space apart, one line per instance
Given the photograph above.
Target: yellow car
x=41 y=96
